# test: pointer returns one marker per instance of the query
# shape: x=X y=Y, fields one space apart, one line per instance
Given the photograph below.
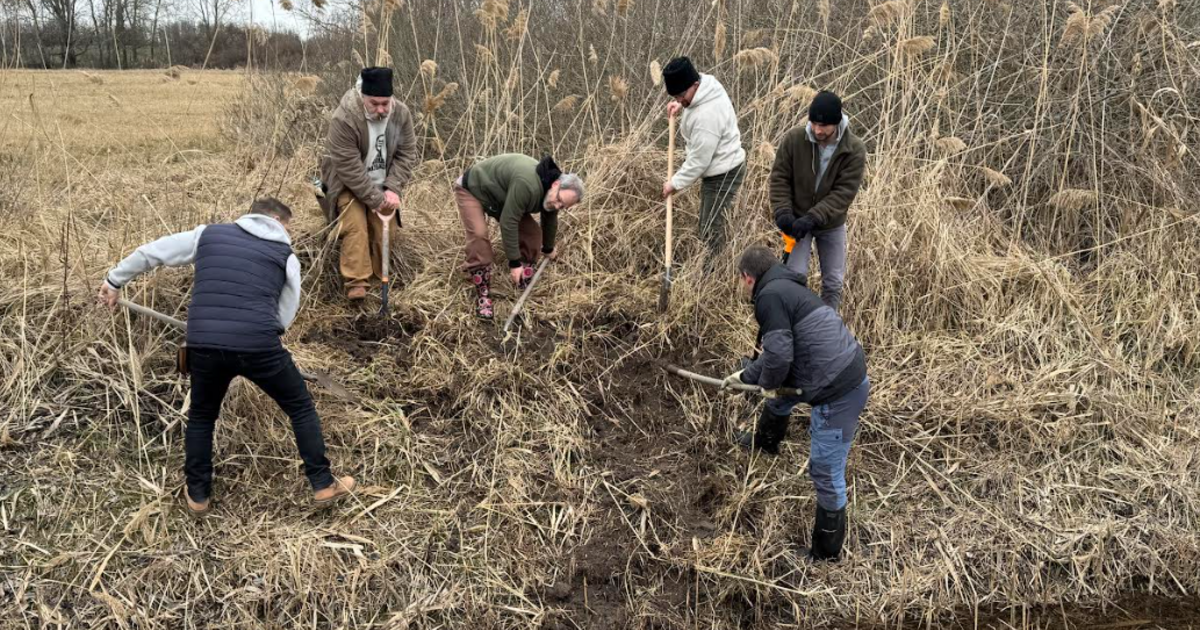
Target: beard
x=372 y=117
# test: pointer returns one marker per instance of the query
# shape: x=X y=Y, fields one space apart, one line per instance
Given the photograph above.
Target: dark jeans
x=716 y=195
x=274 y=373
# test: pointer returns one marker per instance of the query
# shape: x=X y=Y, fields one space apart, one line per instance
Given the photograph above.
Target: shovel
x=387 y=258
x=708 y=380
x=664 y=294
x=320 y=378
x=521 y=301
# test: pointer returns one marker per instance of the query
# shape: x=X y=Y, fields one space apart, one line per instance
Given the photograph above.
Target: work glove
x=784 y=220
x=732 y=379
x=802 y=226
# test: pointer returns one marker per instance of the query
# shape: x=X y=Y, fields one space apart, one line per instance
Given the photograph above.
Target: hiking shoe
x=197 y=509
x=356 y=294
x=340 y=488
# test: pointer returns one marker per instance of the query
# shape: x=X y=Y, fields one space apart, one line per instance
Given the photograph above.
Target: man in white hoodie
x=245 y=294
x=714 y=146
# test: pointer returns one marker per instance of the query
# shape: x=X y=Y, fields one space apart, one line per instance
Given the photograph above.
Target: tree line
x=125 y=34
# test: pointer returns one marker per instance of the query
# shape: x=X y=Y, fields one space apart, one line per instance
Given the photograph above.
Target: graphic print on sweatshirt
x=376 y=161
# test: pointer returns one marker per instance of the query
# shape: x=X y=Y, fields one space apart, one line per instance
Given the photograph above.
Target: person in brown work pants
x=479 y=242
x=369 y=158
x=362 y=250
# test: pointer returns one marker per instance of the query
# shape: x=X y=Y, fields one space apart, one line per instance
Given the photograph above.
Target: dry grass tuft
x=1082 y=28
x=755 y=57
x=307 y=84
x=93 y=78
x=1072 y=199
x=950 y=145
x=719 y=41
x=758 y=37
x=492 y=14
x=913 y=47
x=435 y=102
x=801 y=94
x=887 y=13
x=516 y=31
x=600 y=8
x=623 y=7
x=655 y=73
x=566 y=104
x=944 y=14
x=484 y=55
x=593 y=57
x=175 y=72
x=995 y=178
x=429 y=69
x=618 y=88
x=552 y=81
x=286 y=5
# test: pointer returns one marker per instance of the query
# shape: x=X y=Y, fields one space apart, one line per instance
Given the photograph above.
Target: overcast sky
x=268 y=14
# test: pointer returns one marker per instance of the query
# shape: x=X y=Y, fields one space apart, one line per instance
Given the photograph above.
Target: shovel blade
x=664 y=294
x=383 y=294
x=326 y=382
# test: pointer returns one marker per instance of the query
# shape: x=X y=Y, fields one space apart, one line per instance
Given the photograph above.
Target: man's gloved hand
x=783 y=221
x=802 y=226
x=732 y=379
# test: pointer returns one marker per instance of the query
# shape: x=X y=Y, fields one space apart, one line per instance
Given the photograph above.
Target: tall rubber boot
x=481 y=277
x=829 y=532
x=770 y=432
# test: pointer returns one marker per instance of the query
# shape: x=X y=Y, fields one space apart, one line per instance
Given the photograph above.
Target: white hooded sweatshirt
x=710 y=128
x=179 y=249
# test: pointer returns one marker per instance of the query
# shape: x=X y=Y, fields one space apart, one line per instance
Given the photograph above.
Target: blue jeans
x=832 y=428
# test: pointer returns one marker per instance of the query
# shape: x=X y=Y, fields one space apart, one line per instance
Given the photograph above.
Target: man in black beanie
x=714 y=146
x=817 y=172
x=371 y=151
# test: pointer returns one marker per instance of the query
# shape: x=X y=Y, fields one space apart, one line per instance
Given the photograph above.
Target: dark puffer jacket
x=804 y=343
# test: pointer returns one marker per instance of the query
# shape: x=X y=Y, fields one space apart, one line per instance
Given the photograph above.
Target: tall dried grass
x=1028 y=307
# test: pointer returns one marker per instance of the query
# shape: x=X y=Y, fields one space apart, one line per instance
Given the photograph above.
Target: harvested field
x=1028 y=458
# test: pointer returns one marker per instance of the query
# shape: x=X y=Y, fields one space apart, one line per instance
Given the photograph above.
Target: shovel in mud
x=386 y=255
x=320 y=378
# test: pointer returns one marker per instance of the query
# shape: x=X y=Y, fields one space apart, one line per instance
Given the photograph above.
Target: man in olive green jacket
x=371 y=152
x=511 y=188
x=817 y=172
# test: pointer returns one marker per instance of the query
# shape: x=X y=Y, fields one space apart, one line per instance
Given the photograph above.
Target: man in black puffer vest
x=245 y=295
x=805 y=345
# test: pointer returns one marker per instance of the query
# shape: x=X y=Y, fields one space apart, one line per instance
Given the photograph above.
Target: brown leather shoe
x=357 y=294
x=197 y=509
x=341 y=487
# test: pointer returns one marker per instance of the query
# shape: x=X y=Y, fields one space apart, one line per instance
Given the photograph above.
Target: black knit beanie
x=826 y=108
x=679 y=75
x=377 y=81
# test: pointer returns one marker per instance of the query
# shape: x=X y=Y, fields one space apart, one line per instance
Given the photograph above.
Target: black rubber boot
x=771 y=431
x=829 y=532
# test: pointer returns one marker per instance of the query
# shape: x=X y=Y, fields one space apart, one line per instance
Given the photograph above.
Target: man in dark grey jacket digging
x=805 y=345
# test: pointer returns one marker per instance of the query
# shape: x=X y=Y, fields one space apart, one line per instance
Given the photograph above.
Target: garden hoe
x=320 y=378
x=708 y=380
x=524 y=296
x=664 y=294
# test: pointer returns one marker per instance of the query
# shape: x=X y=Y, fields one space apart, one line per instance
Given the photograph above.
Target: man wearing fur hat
x=818 y=169
x=371 y=151
x=709 y=127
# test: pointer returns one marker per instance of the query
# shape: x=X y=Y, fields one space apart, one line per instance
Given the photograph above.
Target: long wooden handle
x=386 y=253
x=670 y=205
x=708 y=380
x=149 y=312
